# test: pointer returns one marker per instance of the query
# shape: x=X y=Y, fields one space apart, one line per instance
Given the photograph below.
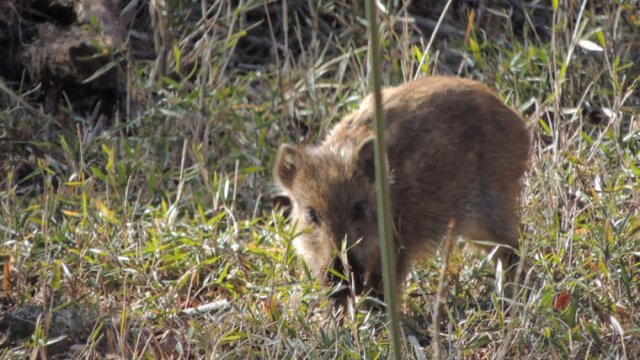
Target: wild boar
x=454 y=150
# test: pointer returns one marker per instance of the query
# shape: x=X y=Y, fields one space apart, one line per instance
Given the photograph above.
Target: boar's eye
x=359 y=209
x=313 y=216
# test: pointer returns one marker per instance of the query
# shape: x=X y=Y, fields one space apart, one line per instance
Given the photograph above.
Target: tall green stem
x=385 y=225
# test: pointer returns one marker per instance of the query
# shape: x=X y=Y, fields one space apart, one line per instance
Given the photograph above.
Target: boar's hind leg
x=492 y=230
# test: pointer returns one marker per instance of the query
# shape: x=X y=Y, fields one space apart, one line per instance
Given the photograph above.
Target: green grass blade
x=382 y=184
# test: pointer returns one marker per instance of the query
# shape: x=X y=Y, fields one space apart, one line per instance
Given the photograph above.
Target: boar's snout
x=354 y=276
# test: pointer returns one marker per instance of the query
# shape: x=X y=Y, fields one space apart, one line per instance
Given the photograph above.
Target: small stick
x=435 y=326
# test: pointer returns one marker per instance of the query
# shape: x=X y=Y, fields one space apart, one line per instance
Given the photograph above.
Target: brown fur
x=455 y=151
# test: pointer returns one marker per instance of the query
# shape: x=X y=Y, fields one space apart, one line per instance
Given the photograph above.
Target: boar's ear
x=366 y=159
x=287 y=165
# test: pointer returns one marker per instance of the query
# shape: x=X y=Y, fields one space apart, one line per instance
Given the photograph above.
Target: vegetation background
x=136 y=139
